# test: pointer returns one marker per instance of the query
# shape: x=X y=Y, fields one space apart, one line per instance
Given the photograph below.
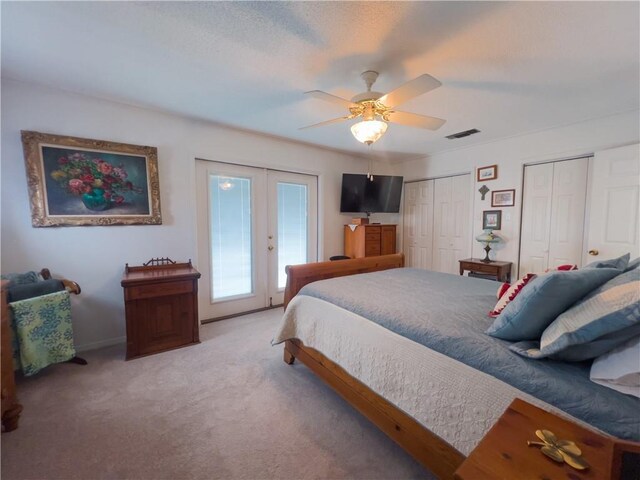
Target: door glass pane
x=292 y=227
x=231 y=236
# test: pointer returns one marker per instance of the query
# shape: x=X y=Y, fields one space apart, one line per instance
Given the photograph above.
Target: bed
x=406 y=348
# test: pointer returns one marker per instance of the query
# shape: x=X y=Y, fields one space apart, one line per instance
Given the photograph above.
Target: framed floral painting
x=78 y=181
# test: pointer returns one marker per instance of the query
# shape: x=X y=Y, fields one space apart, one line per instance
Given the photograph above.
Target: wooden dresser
x=10 y=407
x=369 y=240
x=161 y=304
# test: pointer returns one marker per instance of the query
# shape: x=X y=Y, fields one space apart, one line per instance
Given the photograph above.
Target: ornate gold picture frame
x=78 y=181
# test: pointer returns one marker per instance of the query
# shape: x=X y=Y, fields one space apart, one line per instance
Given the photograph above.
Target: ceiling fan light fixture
x=368 y=131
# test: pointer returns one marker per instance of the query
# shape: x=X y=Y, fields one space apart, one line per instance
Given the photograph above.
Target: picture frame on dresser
x=77 y=181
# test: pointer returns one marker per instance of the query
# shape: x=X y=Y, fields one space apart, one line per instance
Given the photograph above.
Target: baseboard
x=100 y=344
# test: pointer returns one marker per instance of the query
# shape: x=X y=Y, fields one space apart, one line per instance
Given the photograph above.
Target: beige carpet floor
x=228 y=408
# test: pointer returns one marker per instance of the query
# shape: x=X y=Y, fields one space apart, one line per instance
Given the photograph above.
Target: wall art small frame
x=79 y=181
x=487 y=173
x=492 y=219
x=503 y=198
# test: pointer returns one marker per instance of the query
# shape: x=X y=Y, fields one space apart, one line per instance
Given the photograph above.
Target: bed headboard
x=300 y=275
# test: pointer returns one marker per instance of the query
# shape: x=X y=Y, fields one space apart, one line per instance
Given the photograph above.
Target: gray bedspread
x=448 y=313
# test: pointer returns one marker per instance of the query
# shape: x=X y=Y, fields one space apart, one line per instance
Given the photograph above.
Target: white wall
x=511 y=155
x=95 y=256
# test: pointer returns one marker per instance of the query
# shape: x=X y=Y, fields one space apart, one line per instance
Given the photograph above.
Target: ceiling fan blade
x=415 y=120
x=327 y=97
x=413 y=88
x=328 y=122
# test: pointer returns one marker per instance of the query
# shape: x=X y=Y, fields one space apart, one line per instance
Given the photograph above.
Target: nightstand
x=500 y=270
x=503 y=452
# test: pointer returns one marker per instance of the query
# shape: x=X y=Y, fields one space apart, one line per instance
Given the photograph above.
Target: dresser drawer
x=158 y=290
x=372 y=237
x=372 y=250
x=483 y=268
x=375 y=230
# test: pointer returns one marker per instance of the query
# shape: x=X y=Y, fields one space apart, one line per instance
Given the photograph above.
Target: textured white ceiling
x=507 y=68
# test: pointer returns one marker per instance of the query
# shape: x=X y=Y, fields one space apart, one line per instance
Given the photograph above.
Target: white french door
x=252 y=222
x=293 y=227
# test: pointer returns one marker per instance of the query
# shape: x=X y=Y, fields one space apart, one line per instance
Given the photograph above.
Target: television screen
x=359 y=194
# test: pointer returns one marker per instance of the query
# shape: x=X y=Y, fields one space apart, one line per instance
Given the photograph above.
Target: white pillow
x=619 y=369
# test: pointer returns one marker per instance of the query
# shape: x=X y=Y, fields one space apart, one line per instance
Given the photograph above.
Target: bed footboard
x=300 y=275
x=426 y=447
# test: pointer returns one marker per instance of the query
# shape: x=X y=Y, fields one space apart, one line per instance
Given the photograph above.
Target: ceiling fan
x=376 y=108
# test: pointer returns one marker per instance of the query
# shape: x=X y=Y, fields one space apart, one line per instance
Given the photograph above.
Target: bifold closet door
x=536 y=218
x=418 y=224
x=567 y=214
x=552 y=228
x=451 y=223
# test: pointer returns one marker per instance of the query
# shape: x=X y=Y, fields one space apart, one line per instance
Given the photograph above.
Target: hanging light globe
x=368 y=131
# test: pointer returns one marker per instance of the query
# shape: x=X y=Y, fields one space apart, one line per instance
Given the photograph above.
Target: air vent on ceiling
x=466 y=133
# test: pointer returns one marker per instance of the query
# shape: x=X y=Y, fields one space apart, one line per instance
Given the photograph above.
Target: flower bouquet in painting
x=98 y=183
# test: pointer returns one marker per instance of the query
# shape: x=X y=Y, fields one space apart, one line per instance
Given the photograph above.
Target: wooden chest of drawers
x=161 y=304
x=369 y=240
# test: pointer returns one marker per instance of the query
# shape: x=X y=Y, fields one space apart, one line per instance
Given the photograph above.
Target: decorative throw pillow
x=543 y=299
x=502 y=289
x=563 y=268
x=620 y=263
x=510 y=293
x=620 y=368
x=590 y=328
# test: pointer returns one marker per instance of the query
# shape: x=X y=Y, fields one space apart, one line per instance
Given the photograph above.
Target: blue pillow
x=591 y=328
x=626 y=277
x=633 y=264
x=543 y=299
x=620 y=263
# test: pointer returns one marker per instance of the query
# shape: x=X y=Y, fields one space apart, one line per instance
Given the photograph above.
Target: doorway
x=252 y=222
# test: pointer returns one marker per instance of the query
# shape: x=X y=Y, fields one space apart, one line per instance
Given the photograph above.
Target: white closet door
x=410 y=219
x=567 y=212
x=418 y=224
x=536 y=218
x=451 y=226
x=613 y=219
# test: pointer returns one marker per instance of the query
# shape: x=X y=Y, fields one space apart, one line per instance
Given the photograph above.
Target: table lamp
x=488 y=237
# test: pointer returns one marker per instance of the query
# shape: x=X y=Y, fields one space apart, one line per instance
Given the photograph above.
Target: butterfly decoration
x=560 y=450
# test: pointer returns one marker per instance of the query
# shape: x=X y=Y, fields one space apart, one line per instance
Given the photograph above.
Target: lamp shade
x=488 y=237
x=368 y=131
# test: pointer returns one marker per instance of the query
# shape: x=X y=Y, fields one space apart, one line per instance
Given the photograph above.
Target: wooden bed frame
x=426 y=447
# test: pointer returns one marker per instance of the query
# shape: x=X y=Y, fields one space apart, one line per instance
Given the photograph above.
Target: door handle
x=593 y=252
x=270 y=247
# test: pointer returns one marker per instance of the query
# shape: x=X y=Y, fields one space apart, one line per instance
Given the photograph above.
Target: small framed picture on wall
x=487 y=173
x=503 y=198
x=492 y=220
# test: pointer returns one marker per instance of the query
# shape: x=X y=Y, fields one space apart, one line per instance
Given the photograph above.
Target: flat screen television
x=359 y=194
